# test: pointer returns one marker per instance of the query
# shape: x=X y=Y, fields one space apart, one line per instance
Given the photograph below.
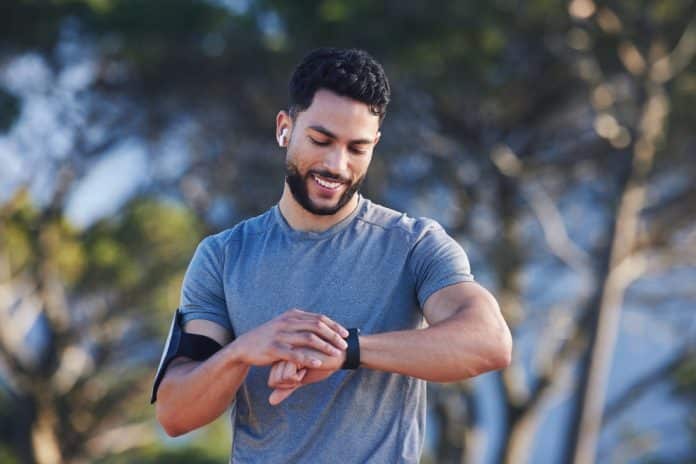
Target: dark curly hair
x=350 y=73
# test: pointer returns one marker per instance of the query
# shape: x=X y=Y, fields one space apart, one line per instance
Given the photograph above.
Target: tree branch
x=643 y=384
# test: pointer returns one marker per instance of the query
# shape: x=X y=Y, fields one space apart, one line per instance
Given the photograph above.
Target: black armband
x=353 y=350
x=180 y=343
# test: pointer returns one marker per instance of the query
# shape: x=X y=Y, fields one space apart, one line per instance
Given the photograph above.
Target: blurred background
x=553 y=139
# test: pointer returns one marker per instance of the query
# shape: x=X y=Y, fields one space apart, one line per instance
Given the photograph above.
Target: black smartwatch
x=353 y=350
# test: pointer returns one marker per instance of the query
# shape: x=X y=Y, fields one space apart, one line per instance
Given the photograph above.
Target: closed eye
x=319 y=143
x=358 y=151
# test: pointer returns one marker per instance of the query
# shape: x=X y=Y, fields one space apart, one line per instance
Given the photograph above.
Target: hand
x=286 y=374
x=303 y=338
x=286 y=377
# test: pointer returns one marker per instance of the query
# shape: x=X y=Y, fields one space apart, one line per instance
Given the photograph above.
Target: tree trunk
x=521 y=438
x=472 y=436
x=43 y=433
x=621 y=270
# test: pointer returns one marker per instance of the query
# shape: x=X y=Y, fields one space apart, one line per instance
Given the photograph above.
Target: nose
x=336 y=162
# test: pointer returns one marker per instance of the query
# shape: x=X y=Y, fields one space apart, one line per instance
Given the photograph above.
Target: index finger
x=333 y=325
x=313 y=333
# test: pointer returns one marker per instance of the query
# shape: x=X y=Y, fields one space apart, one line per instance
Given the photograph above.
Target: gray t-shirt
x=373 y=270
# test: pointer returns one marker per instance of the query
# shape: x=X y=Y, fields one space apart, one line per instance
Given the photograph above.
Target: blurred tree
x=80 y=311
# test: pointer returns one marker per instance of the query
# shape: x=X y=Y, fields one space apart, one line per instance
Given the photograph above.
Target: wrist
x=366 y=350
x=235 y=355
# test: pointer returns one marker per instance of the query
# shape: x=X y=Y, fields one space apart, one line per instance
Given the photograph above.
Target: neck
x=301 y=219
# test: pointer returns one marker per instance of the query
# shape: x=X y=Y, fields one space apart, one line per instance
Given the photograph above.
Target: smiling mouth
x=326 y=183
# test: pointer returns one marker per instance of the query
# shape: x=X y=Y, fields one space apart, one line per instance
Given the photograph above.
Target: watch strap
x=353 y=351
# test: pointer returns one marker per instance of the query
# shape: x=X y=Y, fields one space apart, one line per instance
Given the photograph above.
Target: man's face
x=329 y=151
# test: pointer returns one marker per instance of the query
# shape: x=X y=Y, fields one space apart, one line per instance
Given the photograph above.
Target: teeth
x=323 y=183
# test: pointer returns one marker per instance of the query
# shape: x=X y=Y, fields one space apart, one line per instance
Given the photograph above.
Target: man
x=278 y=292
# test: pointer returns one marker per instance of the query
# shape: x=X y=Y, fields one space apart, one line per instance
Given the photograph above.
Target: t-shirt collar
x=309 y=235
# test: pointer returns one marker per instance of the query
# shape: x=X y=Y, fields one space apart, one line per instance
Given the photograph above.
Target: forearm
x=194 y=394
x=452 y=350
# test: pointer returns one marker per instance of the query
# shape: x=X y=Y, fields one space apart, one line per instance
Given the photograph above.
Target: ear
x=283 y=128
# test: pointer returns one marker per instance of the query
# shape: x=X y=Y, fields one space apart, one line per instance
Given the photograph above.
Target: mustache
x=329 y=175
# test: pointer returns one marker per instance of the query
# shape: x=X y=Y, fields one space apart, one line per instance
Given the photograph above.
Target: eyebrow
x=330 y=134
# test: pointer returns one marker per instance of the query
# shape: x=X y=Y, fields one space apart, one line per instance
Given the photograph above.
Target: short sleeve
x=202 y=293
x=437 y=261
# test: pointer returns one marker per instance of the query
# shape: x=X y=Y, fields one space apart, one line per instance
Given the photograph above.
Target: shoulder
x=397 y=222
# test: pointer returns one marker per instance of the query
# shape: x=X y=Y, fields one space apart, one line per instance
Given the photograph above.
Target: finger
x=289 y=372
x=294 y=312
x=309 y=340
x=280 y=394
x=326 y=320
x=309 y=358
x=335 y=326
x=330 y=363
x=285 y=374
x=318 y=327
x=288 y=376
x=276 y=374
x=283 y=385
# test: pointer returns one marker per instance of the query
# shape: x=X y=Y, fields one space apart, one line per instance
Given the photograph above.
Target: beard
x=298 y=187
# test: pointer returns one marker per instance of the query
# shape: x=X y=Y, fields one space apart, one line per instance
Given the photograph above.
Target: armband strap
x=180 y=343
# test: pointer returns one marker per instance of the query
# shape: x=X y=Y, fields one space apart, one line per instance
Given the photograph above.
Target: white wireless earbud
x=283 y=139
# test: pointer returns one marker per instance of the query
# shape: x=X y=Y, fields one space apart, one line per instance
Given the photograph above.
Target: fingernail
x=316 y=363
x=344 y=344
x=336 y=351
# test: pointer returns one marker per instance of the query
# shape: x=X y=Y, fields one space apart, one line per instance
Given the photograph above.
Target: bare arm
x=467 y=336
x=193 y=393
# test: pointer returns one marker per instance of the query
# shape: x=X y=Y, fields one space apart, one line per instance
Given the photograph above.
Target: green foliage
x=206 y=446
x=143 y=253
x=6 y=456
x=137 y=258
x=15 y=239
x=30 y=238
x=667 y=11
x=685 y=377
x=148 y=245
x=156 y=456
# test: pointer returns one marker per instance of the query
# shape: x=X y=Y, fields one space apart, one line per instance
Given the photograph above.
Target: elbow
x=493 y=356
x=171 y=427
x=166 y=413
x=496 y=349
x=173 y=432
x=500 y=347
x=502 y=356
x=168 y=422
x=498 y=354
